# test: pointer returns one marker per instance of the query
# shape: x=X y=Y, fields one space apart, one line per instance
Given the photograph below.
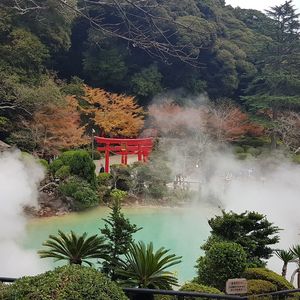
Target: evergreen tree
x=277 y=83
x=118 y=235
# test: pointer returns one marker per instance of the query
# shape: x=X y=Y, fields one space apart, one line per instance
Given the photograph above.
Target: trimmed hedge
x=199 y=288
x=258 y=286
x=71 y=282
x=268 y=275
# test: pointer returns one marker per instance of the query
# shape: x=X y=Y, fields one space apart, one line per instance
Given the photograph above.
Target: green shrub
x=94 y=154
x=258 y=286
x=254 y=151
x=242 y=156
x=222 y=261
x=238 y=149
x=157 y=190
x=55 y=165
x=44 y=163
x=82 y=193
x=79 y=162
x=71 y=282
x=63 y=172
x=268 y=275
x=253 y=141
x=104 y=179
x=199 y=288
x=296 y=159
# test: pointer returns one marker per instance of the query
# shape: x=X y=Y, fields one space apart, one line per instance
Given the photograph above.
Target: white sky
x=260 y=4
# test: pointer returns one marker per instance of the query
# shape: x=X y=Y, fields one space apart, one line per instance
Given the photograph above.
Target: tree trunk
x=298 y=279
x=274 y=133
x=284 y=270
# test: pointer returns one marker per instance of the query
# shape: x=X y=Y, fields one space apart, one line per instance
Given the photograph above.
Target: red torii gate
x=141 y=147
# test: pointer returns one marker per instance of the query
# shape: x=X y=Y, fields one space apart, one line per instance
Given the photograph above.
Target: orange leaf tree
x=57 y=127
x=114 y=114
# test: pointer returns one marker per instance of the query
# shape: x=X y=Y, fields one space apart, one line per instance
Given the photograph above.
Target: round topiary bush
x=265 y=274
x=222 y=261
x=71 y=282
x=199 y=288
x=258 y=286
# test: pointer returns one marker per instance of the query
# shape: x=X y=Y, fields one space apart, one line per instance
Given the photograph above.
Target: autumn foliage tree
x=222 y=121
x=57 y=127
x=114 y=114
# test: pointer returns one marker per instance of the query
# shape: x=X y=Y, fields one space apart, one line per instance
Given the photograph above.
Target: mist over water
x=19 y=178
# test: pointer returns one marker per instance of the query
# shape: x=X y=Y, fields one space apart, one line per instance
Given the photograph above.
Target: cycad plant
x=145 y=268
x=75 y=249
x=286 y=257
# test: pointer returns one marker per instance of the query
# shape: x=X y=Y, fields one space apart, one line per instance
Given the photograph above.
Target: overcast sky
x=260 y=4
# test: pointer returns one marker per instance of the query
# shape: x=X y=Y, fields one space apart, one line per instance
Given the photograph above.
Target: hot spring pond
x=182 y=230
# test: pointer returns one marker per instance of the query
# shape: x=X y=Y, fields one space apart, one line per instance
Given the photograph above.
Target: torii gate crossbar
x=141 y=147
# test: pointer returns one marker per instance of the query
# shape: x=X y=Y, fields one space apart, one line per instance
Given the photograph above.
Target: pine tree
x=277 y=84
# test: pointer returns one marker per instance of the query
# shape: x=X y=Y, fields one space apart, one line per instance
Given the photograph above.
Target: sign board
x=236 y=286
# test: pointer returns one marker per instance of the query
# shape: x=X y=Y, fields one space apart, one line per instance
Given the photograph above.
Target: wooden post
x=139 y=152
x=106 y=169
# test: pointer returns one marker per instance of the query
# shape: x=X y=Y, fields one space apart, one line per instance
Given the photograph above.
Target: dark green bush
x=254 y=151
x=253 y=141
x=268 y=275
x=238 y=149
x=222 y=261
x=79 y=162
x=157 y=190
x=82 y=193
x=258 y=286
x=55 y=165
x=94 y=154
x=72 y=282
x=242 y=156
x=63 y=172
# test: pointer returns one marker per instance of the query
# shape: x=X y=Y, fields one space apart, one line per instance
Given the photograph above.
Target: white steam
x=269 y=184
x=19 y=178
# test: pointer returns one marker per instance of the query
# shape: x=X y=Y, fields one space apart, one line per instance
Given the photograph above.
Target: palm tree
x=296 y=251
x=145 y=268
x=286 y=257
x=75 y=249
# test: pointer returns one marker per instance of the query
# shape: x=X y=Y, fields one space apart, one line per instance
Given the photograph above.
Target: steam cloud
x=19 y=177
x=268 y=184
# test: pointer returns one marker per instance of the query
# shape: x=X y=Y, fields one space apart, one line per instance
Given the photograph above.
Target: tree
x=277 y=83
x=57 y=127
x=249 y=229
x=286 y=257
x=222 y=261
x=296 y=252
x=227 y=123
x=287 y=128
x=115 y=115
x=118 y=233
x=146 y=268
x=75 y=249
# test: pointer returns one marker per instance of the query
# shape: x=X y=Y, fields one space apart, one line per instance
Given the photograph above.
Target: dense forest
x=69 y=66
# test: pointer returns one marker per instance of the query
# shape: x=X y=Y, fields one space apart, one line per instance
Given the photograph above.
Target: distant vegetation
x=61 y=78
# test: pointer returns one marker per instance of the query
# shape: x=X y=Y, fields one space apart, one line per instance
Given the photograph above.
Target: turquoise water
x=182 y=230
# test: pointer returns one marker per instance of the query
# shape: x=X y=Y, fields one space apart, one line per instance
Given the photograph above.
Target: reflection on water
x=182 y=230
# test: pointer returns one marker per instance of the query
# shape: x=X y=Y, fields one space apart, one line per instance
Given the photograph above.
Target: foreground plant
x=75 y=249
x=286 y=257
x=146 y=268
